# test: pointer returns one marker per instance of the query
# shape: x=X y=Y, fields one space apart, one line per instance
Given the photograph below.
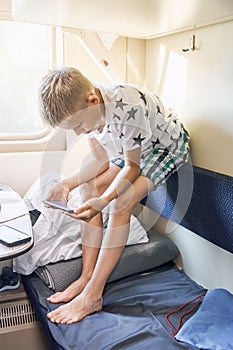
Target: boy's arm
x=128 y=174
x=95 y=163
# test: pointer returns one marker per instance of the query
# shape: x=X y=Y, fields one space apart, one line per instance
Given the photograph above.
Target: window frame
x=38 y=141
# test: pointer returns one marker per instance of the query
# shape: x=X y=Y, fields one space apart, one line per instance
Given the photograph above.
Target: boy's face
x=85 y=120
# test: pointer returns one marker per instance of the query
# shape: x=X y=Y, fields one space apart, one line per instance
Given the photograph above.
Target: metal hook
x=192 y=43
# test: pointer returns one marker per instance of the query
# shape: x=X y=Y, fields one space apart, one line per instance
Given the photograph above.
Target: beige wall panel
x=85 y=51
x=136 y=58
x=198 y=85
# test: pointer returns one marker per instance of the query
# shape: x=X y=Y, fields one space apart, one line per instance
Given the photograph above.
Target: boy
x=134 y=148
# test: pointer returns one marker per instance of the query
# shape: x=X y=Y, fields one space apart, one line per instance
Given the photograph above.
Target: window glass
x=24 y=59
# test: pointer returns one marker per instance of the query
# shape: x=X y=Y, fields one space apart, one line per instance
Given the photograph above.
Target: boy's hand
x=89 y=209
x=58 y=192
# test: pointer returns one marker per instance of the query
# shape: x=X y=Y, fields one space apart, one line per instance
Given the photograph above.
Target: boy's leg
x=90 y=300
x=91 y=233
x=117 y=232
x=91 y=241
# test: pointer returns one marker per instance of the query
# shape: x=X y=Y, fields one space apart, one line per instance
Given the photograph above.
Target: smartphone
x=62 y=205
x=11 y=237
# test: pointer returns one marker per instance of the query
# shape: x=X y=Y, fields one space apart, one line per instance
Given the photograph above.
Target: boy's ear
x=92 y=100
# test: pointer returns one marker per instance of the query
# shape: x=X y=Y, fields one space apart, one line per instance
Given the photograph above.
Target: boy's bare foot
x=69 y=293
x=74 y=311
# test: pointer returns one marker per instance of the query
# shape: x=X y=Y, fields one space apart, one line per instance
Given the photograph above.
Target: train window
x=25 y=50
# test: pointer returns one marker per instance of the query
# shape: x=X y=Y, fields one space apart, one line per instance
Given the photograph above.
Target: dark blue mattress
x=133 y=315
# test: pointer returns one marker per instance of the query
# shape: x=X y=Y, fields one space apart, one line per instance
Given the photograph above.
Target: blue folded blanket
x=211 y=327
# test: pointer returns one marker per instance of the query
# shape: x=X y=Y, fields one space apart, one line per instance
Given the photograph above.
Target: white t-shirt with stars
x=135 y=117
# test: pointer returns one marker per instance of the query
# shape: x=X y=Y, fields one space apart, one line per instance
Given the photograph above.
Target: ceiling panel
x=133 y=18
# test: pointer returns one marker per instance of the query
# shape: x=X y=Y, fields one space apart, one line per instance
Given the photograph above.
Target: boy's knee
x=86 y=192
x=96 y=187
x=121 y=207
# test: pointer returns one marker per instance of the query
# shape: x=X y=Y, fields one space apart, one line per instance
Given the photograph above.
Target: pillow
x=60 y=239
x=134 y=259
x=211 y=327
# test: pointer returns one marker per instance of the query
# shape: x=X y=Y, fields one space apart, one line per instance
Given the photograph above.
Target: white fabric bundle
x=57 y=236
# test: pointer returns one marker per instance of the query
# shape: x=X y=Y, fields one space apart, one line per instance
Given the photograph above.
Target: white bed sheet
x=57 y=236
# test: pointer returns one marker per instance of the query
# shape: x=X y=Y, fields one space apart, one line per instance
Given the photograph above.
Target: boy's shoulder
x=126 y=91
x=118 y=87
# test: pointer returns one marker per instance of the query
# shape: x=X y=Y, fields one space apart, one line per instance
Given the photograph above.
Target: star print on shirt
x=173 y=138
x=138 y=140
x=109 y=131
x=115 y=116
x=120 y=104
x=161 y=127
x=142 y=96
x=131 y=114
x=121 y=152
x=158 y=110
x=154 y=143
x=121 y=135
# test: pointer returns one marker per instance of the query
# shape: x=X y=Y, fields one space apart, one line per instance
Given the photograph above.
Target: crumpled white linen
x=57 y=236
x=11 y=206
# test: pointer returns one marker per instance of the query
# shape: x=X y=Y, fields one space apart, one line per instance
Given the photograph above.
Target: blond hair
x=60 y=92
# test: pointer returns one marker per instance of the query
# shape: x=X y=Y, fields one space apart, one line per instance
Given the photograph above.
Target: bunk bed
x=149 y=302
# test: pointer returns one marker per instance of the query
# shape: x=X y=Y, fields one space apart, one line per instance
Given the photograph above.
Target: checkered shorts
x=161 y=163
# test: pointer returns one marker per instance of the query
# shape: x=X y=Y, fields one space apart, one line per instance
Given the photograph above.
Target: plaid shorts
x=161 y=163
